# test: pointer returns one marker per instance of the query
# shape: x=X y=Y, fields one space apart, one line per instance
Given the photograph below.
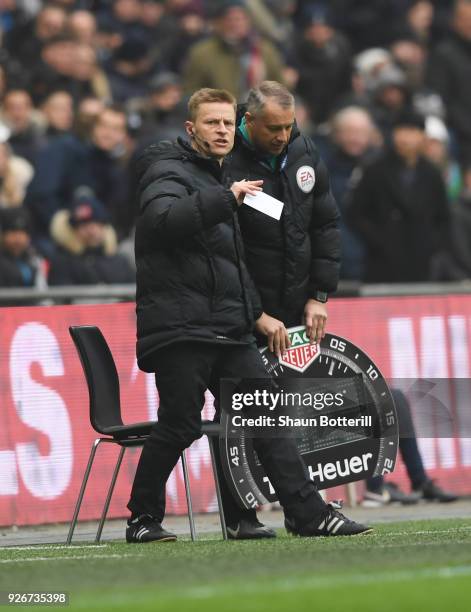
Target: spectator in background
x=379 y=493
x=15 y=175
x=87 y=252
x=323 y=60
x=390 y=95
x=411 y=57
x=87 y=111
x=353 y=143
x=176 y=7
x=66 y=164
x=366 y=67
x=273 y=19
x=19 y=116
x=164 y=111
x=105 y=168
x=419 y=20
x=449 y=74
x=58 y=111
x=26 y=41
x=53 y=67
x=159 y=28
x=19 y=264
x=123 y=18
x=234 y=57
x=189 y=28
x=303 y=118
x=81 y=25
x=71 y=66
x=461 y=229
x=3 y=81
x=108 y=40
x=129 y=70
x=400 y=211
x=89 y=79
x=437 y=150
x=368 y=23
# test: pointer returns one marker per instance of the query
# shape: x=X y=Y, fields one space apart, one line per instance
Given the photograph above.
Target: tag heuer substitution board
x=335 y=453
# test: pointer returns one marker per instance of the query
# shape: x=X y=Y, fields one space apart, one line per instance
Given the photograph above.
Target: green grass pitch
x=409 y=566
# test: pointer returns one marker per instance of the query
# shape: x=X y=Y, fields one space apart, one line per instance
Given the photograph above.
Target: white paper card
x=265 y=204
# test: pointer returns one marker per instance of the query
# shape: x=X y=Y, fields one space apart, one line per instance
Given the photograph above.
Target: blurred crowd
x=382 y=86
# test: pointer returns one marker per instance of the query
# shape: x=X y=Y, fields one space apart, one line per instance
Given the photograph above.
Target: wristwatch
x=321 y=296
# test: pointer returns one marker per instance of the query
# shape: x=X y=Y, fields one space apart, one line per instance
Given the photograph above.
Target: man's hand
x=278 y=339
x=315 y=320
x=241 y=188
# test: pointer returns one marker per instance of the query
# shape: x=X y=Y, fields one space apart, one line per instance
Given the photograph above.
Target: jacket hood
x=153 y=153
x=64 y=235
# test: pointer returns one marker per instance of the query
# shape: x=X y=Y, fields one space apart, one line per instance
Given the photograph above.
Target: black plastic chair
x=105 y=417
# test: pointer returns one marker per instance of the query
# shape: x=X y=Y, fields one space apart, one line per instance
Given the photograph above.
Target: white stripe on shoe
x=337 y=527
x=142 y=531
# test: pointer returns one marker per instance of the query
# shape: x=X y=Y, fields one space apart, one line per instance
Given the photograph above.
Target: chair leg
x=82 y=489
x=218 y=490
x=110 y=493
x=186 y=479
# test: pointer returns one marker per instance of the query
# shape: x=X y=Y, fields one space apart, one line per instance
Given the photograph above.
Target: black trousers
x=183 y=373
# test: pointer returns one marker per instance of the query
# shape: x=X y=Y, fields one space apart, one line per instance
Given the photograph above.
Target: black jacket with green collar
x=291 y=259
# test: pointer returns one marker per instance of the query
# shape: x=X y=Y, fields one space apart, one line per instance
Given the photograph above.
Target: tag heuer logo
x=301 y=353
x=306 y=178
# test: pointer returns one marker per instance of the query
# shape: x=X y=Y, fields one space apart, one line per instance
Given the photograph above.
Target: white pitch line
x=69 y=558
x=118 y=556
x=121 y=556
x=76 y=546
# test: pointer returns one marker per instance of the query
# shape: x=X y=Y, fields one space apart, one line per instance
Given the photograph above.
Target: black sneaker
x=432 y=492
x=249 y=530
x=146 y=528
x=397 y=495
x=331 y=523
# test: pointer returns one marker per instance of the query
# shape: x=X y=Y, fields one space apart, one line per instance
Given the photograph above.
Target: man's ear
x=249 y=118
x=189 y=128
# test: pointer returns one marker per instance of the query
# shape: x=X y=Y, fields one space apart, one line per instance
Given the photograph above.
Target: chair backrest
x=102 y=378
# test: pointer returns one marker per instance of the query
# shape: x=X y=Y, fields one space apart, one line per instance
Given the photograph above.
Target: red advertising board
x=45 y=435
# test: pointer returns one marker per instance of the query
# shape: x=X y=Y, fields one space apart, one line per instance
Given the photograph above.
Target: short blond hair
x=206 y=96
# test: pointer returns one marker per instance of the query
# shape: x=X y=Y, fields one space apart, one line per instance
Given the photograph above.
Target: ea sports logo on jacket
x=306 y=178
x=301 y=353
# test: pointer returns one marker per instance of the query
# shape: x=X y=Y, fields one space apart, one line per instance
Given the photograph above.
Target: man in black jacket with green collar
x=196 y=309
x=293 y=262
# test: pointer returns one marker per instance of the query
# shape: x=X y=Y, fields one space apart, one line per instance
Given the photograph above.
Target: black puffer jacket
x=192 y=283
x=291 y=259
